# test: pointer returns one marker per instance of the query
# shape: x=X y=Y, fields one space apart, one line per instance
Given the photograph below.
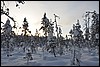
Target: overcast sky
x=68 y=11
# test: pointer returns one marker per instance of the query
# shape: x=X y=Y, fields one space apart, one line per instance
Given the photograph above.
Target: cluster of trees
x=53 y=44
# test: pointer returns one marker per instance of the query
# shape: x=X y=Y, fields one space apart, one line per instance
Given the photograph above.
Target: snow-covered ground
x=47 y=59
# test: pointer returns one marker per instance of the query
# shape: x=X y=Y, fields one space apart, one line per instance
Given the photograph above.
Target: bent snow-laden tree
x=5 y=10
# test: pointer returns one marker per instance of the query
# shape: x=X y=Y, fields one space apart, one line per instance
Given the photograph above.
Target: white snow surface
x=47 y=59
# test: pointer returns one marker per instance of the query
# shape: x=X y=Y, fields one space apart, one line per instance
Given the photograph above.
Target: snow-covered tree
x=76 y=33
x=7 y=30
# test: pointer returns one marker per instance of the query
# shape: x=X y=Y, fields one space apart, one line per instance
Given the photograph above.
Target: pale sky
x=68 y=11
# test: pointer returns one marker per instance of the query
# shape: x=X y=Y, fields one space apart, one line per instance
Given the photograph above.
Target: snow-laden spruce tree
x=7 y=32
x=48 y=32
x=91 y=30
x=95 y=30
x=76 y=44
x=28 y=43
